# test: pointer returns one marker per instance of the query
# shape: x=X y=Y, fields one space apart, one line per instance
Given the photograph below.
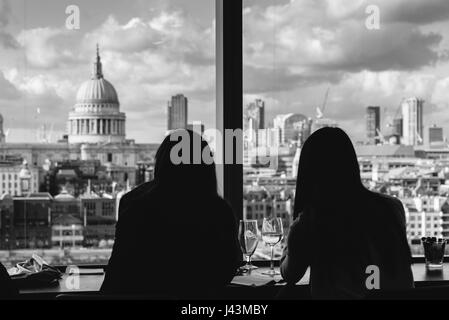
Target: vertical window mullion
x=229 y=97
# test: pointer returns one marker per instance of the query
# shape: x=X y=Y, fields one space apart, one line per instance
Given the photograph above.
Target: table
x=87 y=284
x=91 y=283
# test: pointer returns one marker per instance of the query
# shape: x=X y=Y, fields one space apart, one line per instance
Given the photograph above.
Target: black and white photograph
x=224 y=156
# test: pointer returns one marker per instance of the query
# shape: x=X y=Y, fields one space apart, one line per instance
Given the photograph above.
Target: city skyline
x=167 y=47
x=405 y=57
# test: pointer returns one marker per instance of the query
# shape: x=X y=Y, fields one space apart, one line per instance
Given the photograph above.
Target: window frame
x=229 y=100
x=229 y=96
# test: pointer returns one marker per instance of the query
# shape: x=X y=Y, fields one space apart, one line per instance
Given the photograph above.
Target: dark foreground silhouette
x=343 y=229
x=175 y=236
x=7 y=288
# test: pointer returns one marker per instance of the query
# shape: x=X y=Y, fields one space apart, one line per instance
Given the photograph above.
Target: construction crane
x=44 y=135
x=418 y=136
x=396 y=114
x=320 y=111
x=50 y=133
x=380 y=136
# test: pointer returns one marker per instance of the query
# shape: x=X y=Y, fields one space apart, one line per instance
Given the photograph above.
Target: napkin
x=34 y=272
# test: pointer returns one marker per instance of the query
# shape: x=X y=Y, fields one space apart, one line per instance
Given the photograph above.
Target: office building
x=17 y=179
x=144 y=172
x=2 y=134
x=373 y=124
x=7 y=240
x=177 y=110
x=412 y=121
x=75 y=175
x=269 y=137
x=197 y=127
x=99 y=217
x=319 y=123
x=293 y=127
x=397 y=127
x=31 y=222
x=254 y=115
x=435 y=135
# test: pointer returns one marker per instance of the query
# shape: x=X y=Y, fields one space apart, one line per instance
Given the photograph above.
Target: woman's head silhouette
x=197 y=173
x=328 y=169
x=348 y=227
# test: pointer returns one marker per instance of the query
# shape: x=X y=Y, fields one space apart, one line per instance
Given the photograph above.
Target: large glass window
x=378 y=70
x=87 y=92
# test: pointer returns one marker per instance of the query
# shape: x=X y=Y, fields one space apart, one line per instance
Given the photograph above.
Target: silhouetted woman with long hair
x=175 y=235
x=344 y=232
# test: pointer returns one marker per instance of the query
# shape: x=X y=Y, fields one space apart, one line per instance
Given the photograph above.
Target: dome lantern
x=98 y=70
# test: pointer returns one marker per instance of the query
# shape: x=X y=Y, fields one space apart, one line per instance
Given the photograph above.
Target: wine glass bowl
x=272 y=233
x=248 y=241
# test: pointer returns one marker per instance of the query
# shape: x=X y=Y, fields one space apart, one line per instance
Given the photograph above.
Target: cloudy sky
x=152 y=49
x=295 y=50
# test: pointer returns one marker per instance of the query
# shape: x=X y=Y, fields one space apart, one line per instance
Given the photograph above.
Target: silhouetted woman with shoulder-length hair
x=343 y=229
x=175 y=236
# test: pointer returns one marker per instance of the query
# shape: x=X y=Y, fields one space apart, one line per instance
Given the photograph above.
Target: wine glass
x=248 y=241
x=272 y=232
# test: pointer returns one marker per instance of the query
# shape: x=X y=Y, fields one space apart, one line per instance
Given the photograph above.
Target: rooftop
x=385 y=150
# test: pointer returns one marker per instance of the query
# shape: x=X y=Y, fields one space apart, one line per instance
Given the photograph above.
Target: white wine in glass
x=248 y=241
x=272 y=233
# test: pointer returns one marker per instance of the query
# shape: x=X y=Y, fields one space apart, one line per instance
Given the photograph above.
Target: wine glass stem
x=248 y=261
x=272 y=258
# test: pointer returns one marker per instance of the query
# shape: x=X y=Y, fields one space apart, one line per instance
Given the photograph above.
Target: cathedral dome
x=97 y=91
x=96 y=117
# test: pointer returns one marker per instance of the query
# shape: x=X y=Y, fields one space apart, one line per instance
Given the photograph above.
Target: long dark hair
x=328 y=169
x=347 y=220
x=196 y=174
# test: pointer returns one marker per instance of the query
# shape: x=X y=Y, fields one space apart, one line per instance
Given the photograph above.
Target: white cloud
x=41 y=49
x=293 y=50
x=440 y=95
x=7 y=90
x=147 y=60
x=308 y=37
